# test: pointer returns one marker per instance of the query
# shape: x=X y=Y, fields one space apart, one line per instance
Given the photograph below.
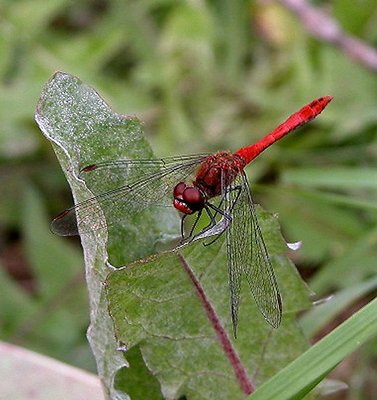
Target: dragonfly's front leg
x=227 y=214
x=203 y=233
x=190 y=236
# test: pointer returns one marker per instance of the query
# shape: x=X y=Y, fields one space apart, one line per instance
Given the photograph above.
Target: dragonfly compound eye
x=193 y=198
x=179 y=189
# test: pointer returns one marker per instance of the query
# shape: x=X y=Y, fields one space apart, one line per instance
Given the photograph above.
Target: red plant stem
x=239 y=370
x=299 y=118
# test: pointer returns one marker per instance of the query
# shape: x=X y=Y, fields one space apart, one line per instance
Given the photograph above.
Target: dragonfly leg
x=221 y=212
x=225 y=214
x=183 y=226
x=212 y=211
x=190 y=236
x=212 y=218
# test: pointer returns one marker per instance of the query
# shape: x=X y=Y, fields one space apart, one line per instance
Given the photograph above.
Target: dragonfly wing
x=231 y=196
x=259 y=271
x=153 y=186
x=248 y=255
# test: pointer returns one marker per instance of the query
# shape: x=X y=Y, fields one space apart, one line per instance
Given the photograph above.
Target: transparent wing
x=149 y=183
x=232 y=196
x=248 y=255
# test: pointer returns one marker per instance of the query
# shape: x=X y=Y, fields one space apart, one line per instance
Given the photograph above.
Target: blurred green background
x=203 y=76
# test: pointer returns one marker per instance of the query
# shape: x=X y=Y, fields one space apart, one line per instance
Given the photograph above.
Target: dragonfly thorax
x=218 y=171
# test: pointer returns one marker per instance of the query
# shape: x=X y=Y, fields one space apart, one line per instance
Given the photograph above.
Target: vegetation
x=202 y=76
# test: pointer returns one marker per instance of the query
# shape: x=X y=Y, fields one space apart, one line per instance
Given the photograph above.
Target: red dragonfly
x=190 y=184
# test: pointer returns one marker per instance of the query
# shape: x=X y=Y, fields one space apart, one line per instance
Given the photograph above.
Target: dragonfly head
x=188 y=199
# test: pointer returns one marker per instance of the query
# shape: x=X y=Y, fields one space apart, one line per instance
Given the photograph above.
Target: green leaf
x=350 y=178
x=319 y=227
x=356 y=264
x=154 y=305
x=317 y=318
x=137 y=381
x=15 y=305
x=83 y=129
x=153 y=302
x=46 y=252
x=298 y=378
x=61 y=295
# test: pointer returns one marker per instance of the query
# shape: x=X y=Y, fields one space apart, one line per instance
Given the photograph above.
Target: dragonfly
x=190 y=184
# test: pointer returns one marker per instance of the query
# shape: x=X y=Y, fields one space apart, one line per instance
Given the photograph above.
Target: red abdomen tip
x=321 y=103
